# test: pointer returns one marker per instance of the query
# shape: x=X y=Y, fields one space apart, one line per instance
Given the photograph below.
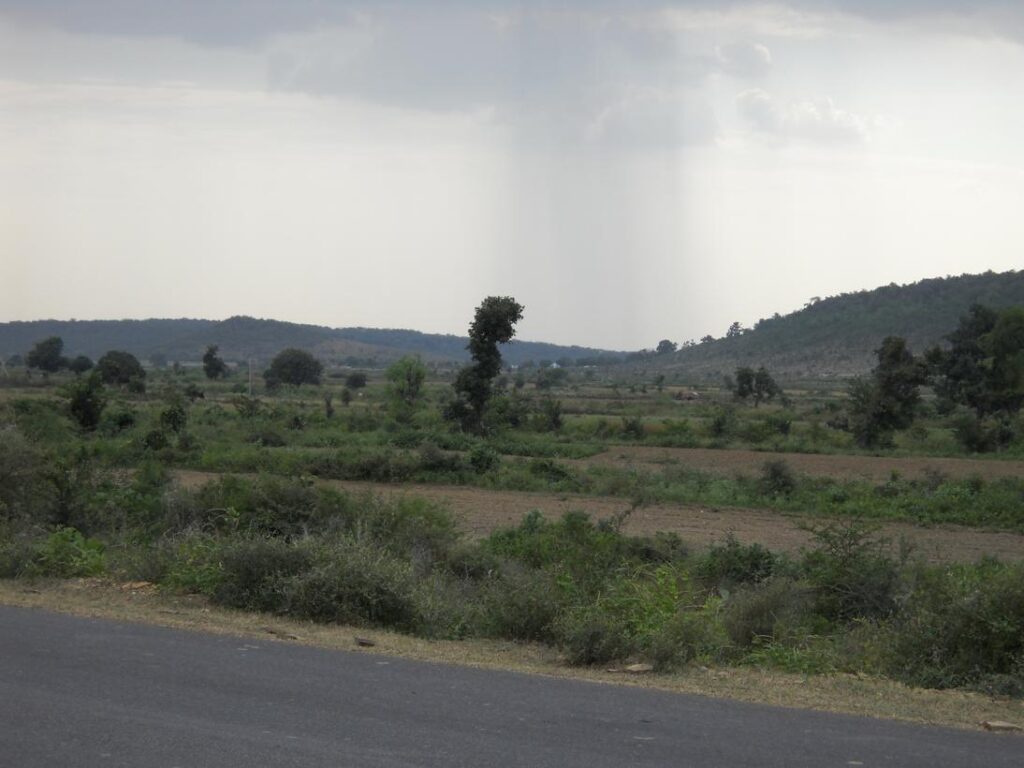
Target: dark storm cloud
x=244 y=22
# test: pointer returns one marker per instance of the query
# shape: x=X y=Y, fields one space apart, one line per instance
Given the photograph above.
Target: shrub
x=255 y=573
x=734 y=563
x=267 y=438
x=24 y=491
x=117 y=422
x=66 y=553
x=173 y=418
x=963 y=626
x=687 y=635
x=982 y=435
x=777 y=479
x=433 y=459
x=850 y=573
x=354 y=583
x=155 y=440
x=17 y=550
x=750 y=616
x=483 y=458
x=589 y=636
x=520 y=604
x=194 y=563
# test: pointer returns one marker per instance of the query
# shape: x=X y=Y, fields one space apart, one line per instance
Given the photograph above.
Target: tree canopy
x=293 y=366
x=46 y=355
x=493 y=324
x=213 y=366
x=888 y=400
x=118 y=367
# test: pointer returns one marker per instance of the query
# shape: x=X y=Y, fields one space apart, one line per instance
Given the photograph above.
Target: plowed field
x=481 y=511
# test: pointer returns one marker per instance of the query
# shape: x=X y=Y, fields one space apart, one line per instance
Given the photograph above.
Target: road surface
x=78 y=693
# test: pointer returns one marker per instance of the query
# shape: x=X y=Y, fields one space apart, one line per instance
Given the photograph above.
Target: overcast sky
x=628 y=171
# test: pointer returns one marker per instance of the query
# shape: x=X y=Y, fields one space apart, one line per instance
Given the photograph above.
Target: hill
x=241 y=338
x=837 y=336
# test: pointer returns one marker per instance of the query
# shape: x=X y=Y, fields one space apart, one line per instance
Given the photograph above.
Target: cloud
x=652 y=117
x=819 y=121
x=744 y=59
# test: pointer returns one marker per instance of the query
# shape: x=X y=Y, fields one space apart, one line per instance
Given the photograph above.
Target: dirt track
x=875 y=468
x=482 y=511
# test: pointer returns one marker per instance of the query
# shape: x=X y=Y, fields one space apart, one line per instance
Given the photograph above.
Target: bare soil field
x=482 y=511
x=874 y=468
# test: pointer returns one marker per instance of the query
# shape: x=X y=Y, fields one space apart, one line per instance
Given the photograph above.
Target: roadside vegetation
x=87 y=455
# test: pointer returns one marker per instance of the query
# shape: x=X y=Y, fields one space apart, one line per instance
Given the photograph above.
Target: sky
x=628 y=171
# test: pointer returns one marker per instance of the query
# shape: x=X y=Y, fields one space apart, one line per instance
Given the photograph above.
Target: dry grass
x=836 y=466
x=142 y=603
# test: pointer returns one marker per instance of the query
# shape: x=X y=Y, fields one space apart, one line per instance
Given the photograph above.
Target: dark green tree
x=743 y=384
x=46 y=355
x=962 y=373
x=765 y=387
x=355 y=380
x=493 y=324
x=888 y=400
x=86 y=400
x=80 y=364
x=293 y=366
x=983 y=369
x=666 y=347
x=213 y=366
x=121 y=368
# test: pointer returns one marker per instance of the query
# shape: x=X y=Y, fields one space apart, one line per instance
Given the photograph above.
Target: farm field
x=479 y=513
x=613 y=516
x=836 y=466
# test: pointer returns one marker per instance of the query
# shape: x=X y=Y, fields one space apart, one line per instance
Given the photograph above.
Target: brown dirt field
x=874 y=468
x=482 y=511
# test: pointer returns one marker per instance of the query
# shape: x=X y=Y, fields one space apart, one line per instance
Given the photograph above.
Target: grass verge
x=138 y=602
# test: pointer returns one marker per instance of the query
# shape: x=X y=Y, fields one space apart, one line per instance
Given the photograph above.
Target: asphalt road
x=85 y=692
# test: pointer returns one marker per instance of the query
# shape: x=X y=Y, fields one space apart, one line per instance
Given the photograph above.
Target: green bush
x=194 y=562
x=354 y=583
x=734 y=563
x=255 y=573
x=852 y=576
x=963 y=626
x=66 y=553
x=590 y=636
x=484 y=459
x=751 y=616
x=520 y=603
x=777 y=479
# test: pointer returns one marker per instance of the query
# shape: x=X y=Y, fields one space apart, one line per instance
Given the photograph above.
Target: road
x=79 y=692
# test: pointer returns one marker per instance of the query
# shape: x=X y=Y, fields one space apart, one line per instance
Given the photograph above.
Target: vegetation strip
x=841 y=693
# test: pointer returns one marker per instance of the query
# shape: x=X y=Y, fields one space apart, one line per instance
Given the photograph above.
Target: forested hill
x=240 y=338
x=837 y=336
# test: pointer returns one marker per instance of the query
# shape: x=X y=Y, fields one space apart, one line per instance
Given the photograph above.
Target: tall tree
x=493 y=324
x=765 y=387
x=983 y=368
x=405 y=386
x=888 y=400
x=213 y=366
